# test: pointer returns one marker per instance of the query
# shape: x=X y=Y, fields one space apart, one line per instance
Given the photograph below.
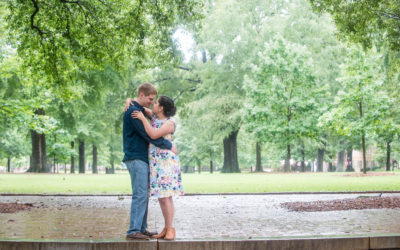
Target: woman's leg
x=171 y=211
x=170 y=234
x=164 y=208
x=167 y=208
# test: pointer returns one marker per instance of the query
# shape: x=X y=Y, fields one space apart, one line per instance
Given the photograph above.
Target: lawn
x=202 y=183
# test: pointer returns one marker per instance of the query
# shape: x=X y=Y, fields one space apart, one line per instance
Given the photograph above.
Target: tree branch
x=184 y=68
x=33 y=26
x=391 y=15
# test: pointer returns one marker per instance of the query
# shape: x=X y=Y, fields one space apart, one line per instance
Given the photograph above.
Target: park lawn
x=200 y=183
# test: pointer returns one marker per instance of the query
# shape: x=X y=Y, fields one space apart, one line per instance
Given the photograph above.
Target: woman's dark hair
x=168 y=105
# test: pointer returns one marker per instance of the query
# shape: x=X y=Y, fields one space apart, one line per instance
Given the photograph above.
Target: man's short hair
x=147 y=89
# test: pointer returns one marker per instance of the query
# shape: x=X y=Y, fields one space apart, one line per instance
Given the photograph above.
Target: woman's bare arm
x=167 y=128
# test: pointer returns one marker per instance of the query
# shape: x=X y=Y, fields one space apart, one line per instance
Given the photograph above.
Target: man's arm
x=139 y=128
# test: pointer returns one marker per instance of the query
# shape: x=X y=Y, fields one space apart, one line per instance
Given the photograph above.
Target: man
x=136 y=146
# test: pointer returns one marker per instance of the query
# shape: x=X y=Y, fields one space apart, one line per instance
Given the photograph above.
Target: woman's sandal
x=160 y=235
x=170 y=235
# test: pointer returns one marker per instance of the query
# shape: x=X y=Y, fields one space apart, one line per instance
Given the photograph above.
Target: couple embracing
x=151 y=159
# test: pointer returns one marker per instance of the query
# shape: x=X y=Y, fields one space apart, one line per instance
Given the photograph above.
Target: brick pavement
x=197 y=217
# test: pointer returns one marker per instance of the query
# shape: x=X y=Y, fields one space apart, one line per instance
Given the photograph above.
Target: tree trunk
x=231 y=164
x=204 y=56
x=330 y=166
x=81 y=156
x=303 y=161
x=39 y=157
x=211 y=164
x=340 y=161
x=199 y=166
x=111 y=170
x=259 y=167
x=349 y=167
x=388 y=156
x=94 y=167
x=112 y=167
x=54 y=163
x=364 y=154
x=320 y=159
x=363 y=141
x=9 y=164
x=286 y=168
x=72 y=158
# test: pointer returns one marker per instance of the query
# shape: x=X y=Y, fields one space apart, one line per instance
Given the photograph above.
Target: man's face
x=148 y=100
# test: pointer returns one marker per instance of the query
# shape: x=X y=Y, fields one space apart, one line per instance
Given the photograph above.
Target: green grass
x=200 y=183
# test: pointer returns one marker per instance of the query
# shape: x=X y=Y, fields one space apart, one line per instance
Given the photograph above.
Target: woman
x=165 y=174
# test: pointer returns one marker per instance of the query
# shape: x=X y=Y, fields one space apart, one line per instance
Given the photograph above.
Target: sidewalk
x=197 y=217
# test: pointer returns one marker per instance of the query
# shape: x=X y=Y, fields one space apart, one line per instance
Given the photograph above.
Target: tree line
x=284 y=79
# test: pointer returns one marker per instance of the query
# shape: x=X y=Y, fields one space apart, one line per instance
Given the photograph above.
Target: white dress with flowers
x=165 y=170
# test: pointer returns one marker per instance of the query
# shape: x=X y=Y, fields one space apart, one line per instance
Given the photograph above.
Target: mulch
x=14 y=207
x=362 y=202
x=368 y=174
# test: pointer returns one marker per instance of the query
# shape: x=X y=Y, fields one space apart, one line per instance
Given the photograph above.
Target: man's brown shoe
x=137 y=236
x=149 y=233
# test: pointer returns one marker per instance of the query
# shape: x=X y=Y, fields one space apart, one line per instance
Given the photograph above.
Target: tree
x=356 y=110
x=364 y=21
x=281 y=87
x=57 y=38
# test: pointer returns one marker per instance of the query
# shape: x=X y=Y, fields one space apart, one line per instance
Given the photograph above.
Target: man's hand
x=174 y=149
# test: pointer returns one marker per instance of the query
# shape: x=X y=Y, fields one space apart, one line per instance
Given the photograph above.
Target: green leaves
x=366 y=21
x=280 y=91
x=56 y=39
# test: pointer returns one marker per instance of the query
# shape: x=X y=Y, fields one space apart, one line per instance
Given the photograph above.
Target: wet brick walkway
x=197 y=217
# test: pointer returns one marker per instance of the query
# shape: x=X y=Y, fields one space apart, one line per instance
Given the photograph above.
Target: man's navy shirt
x=136 y=140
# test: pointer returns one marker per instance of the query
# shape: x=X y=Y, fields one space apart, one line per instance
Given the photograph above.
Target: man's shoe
x=137 y=236
x=149 y=233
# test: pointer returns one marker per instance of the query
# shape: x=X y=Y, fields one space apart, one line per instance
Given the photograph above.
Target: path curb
x=326 y=243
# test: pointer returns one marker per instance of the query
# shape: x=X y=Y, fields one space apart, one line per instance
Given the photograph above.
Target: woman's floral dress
x=165 y=170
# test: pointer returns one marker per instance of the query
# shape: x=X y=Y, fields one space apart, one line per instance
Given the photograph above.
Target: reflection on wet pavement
x=204 y=216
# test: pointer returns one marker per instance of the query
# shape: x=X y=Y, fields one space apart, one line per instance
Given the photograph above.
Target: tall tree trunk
x=330 y=167
x=388 y=156
x=320 y=159
x=231 y=164
x=81 y=156
x=9 y=164
x=94 y=167
x=111 y=170
x=199 y=166
x=204 y=56
x=72 y=158
x=349 y=167
x=363 y=141
x=54 y=163
x=259 y=167
x=211 y=164
x=39 y=157
x=303 y=161
x=286 y=168
x=340 y=161
x=364 y=154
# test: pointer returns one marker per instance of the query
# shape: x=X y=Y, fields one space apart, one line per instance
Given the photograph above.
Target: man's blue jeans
x=139 y=172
